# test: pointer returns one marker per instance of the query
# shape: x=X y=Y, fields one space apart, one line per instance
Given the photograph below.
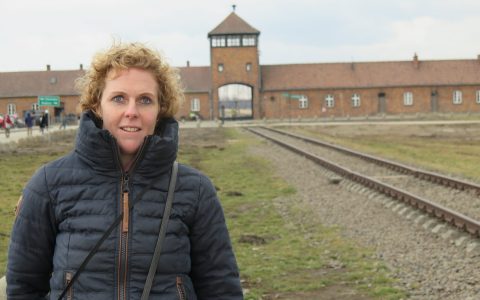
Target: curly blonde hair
x=132 y=55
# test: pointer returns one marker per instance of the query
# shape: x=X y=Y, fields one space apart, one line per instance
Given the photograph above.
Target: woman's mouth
x=130 y=129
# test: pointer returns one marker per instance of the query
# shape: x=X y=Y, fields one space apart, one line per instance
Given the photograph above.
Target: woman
x=127 y=140
x=7 y=124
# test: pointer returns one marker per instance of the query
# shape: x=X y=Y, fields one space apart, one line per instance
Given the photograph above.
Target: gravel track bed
x=465 y=202
x=426 y=266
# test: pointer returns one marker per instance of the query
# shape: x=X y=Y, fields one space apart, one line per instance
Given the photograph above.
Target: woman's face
x=129 y=108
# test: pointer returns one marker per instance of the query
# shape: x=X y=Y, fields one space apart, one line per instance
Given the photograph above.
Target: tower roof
x=233 y=24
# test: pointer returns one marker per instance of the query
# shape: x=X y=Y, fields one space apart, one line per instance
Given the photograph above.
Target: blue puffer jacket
x=69 y=203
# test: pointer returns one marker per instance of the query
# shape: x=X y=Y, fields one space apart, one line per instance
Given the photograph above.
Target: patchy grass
x=18 y=162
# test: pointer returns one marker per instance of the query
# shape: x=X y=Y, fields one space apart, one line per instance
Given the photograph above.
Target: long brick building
x=236 y=86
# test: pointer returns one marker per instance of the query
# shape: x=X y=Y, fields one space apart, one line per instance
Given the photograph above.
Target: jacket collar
x=98 y=148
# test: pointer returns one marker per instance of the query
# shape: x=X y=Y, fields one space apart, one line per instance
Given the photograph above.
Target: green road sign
x=297 y=96
x=48 y=101
x=292 y=96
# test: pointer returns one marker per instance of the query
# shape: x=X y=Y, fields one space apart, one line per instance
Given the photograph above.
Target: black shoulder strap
x=161 y=234
x=109 y=231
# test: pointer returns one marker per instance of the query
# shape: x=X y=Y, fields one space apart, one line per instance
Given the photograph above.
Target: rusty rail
x=447 y=215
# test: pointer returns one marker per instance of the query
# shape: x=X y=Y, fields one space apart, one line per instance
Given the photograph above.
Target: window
x=220 y=67
x=457 y=97
x=408 y=98
x=218 y=41
x=233 y=41
x=248 y=67
x=355 y=100
x=195 y=105
x=11 y=109
x=303 y=102
x=477 y=97
x=35 y=107
x=248 y=40
x=329 y=101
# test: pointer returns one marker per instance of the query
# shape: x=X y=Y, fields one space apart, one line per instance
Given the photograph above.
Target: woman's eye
x=117 y=99
x=145 y=100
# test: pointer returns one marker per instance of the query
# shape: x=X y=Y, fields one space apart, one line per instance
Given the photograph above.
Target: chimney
x=48 y=67
x=188 y=63
x=81 y=66
x=416 y=63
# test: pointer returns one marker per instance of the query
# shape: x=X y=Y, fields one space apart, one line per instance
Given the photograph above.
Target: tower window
x=248 y=40
x=248 y=67
x=220 y=67
x=233 y=41
x=218 y=41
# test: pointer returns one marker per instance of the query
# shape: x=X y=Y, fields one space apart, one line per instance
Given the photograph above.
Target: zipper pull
x=68 y=278
x=125 y=204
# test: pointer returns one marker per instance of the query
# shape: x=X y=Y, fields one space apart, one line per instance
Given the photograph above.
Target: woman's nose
x=131 y=111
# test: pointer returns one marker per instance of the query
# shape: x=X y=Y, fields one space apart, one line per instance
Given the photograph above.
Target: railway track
x=451 y=200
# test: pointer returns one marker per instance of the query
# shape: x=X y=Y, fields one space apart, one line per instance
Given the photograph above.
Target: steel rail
x=449 y=216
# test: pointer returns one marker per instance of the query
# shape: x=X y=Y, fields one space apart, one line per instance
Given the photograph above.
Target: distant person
x=7 y=124
x=41 y=124
x=29 y=124
x=63 y=123
x=45 y=120
x=124 y=156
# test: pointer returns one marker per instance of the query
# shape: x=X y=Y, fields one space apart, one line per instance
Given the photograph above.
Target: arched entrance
x=235 y=101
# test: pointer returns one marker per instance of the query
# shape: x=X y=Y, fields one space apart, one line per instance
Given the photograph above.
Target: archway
x=235 y=101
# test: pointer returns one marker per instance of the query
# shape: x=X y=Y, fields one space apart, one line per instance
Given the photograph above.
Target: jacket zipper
x=124 y=206
x=68 y=278
x=181 y=289
x=122 y=264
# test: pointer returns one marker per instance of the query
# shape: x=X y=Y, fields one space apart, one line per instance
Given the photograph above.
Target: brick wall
x=234 y=60
x=185 y=108
x=277 y=105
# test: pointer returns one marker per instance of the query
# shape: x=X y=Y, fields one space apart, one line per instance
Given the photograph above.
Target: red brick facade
x=234 y=62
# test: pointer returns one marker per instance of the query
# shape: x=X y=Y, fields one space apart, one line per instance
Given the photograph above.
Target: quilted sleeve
x=214 y=268
x=32 y=243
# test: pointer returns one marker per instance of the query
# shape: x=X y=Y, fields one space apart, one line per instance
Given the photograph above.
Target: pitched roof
x=195 y=79
x=233 y=24
x=370 y=74
x=33 y=84
x=276 y=77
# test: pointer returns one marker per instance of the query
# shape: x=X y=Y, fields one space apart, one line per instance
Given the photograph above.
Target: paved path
x=3 y=287
x=21 y=133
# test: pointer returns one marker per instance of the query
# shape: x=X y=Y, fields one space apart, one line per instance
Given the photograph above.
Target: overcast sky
x=66 y=33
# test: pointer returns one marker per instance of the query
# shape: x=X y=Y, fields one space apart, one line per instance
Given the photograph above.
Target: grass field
x=277 y=253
